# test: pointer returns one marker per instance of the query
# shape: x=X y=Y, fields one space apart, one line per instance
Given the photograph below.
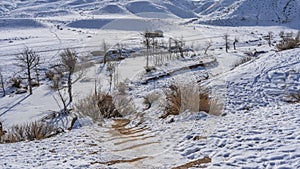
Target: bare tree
x=234 y=43
x=105 y=48
x=179 y=44
x=28 y=60
x=111 y=68
x=208 y=45
x=170 y=48
x=69 y=60
x=58 y=88
x=147 y=44
x=2 y=84
x=226 y=42
x=269 y=38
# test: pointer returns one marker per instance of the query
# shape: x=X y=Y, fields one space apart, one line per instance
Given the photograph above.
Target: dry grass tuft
x=289 y=43
x=173 y=104
x=107 y=106
x=29 y=132
x=293 y=98
x=192 y=98
x=103 y=105
x=89 y=107
x=242 y=61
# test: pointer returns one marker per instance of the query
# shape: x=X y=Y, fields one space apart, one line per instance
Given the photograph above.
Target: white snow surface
x=258 y=128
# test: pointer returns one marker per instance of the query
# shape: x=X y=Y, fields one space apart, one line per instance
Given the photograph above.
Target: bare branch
x=28 y=60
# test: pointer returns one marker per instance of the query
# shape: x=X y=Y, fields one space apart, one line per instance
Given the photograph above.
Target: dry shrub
x=104 y=106
x=122 y=87
x=189 y=97
x=216 y=107
x=124 y=105
x=293 y=97
x=29 y=132
x=288 y=43
x=204 y=100
x=173 y=101
x=242 y=61
x=107 y=106
x=208 y=103
x=88 y=107
x=192 y=98
x=16 y=82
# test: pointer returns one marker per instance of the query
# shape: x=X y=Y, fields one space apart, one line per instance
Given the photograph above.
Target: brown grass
x=88 y=107
x=192 y=98
x=29 y=132
x=289 y=43
x=173 y=104
x=293 y=98
x=98 y=107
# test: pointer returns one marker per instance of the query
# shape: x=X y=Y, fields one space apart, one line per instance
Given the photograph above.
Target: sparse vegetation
x=29 y=132
x=293 y=97
x=180 y=98
x=288 y=41
x=88 y=107
x=16 y=82
x=124 y=104
x=242 y=61
x=173 y=101
x=105 y=106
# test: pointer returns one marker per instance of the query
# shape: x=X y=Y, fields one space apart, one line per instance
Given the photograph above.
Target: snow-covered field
x=258 y=127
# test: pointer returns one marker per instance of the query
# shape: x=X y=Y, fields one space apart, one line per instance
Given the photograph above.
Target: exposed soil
x=197 y=163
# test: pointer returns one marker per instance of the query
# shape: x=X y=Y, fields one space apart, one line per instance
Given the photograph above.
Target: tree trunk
x=70 y=87
x=73 y=123
x=234 y=45
x=62 y=100
x=29 y=76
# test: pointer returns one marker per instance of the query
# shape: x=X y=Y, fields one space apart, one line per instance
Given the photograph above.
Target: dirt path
x=134 y=143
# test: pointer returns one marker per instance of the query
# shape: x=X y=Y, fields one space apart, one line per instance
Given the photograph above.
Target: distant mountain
x=144 y=8
x=249 y=12
x=215 y=12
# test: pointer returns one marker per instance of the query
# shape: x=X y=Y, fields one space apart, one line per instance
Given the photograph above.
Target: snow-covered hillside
x=143 y=8
x=249 y=12
x=215 y=12
x=220 y=53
